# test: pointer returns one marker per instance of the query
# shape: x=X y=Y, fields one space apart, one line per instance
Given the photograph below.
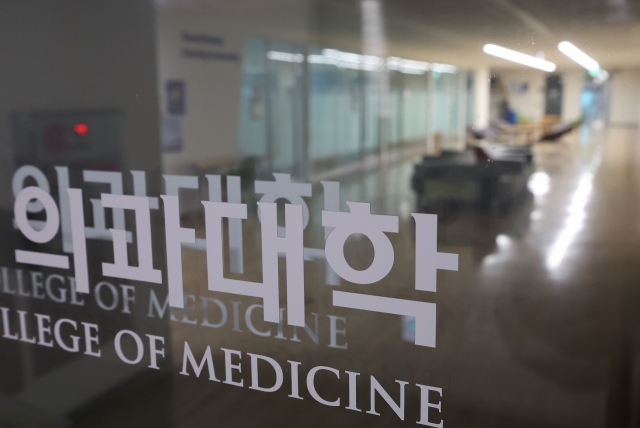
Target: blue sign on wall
x=176 y=97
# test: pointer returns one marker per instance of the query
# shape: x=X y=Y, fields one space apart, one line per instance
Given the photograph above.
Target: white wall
x=572 y=83
x=531 y=103
x=210 y=125
x=625 y=98
x=481 y=86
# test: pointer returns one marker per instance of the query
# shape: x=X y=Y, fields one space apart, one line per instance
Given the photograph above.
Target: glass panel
x=318 y=212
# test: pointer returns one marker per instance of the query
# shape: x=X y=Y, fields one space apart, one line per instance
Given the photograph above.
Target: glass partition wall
x=312 y=213
x=340 y=109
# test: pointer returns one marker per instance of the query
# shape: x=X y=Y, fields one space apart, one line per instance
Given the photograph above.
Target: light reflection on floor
x=531 y=330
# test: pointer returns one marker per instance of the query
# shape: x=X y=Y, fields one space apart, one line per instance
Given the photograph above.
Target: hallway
x=539 y=319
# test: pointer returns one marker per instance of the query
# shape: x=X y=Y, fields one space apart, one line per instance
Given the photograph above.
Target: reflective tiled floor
x=538 y=328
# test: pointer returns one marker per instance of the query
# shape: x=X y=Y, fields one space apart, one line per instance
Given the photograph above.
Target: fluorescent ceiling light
x=601 y=76
x=364 y=62
x=578 y=56
x=373 y=63
x=519 y=57
x=285 y=56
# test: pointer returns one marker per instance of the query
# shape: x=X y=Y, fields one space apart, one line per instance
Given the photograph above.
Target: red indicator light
x=81 y=129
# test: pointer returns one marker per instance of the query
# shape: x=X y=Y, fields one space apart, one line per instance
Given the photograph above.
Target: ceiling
x=455 y=31
x=448 y=31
